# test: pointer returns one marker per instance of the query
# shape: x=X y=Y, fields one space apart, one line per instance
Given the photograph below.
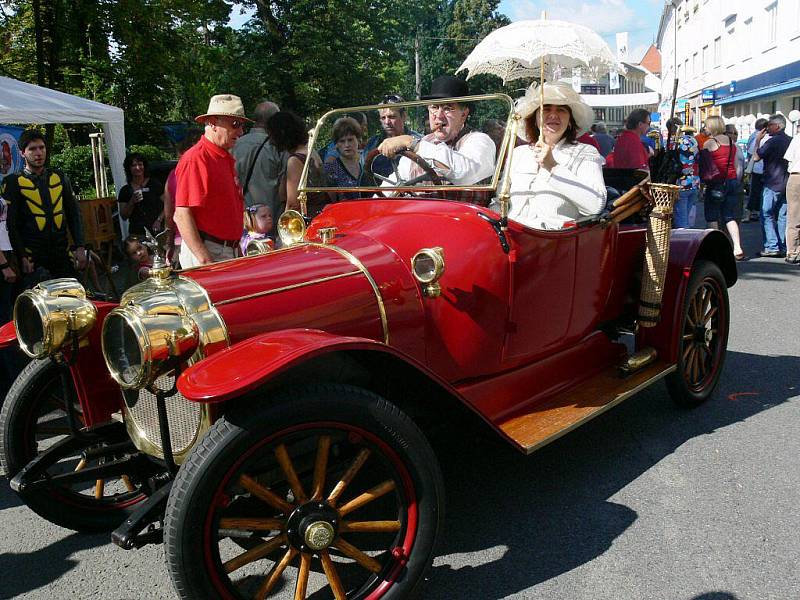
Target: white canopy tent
x=22 y=102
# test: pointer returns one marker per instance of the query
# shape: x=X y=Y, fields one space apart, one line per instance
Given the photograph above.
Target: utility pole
x=417 y=77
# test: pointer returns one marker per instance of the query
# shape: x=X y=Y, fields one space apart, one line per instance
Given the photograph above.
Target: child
x=257 y=225
x=139 y=255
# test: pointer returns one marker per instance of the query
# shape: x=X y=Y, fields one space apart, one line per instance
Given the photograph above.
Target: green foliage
x=161 y=60
x=76 y=162
x=151 y=153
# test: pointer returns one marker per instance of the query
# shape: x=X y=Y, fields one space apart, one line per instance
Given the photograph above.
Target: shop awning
x=769 y=90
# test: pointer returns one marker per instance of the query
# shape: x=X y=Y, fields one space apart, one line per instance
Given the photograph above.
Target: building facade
x=733 y=58
x=610 y=105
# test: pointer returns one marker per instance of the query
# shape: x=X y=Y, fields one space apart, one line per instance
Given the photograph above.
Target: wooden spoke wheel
x=334 y=494
x=703 y=336
x=34 y=419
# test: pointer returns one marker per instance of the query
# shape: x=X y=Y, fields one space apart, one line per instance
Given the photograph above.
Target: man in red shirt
x=209 y=206
x=629 y=152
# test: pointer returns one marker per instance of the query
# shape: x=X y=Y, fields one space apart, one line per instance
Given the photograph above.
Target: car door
x=559 y=285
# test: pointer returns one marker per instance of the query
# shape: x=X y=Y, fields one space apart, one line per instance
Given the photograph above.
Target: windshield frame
x=499 y=160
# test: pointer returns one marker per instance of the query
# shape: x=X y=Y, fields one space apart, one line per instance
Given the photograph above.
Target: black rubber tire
x=38 y=383
x=706 y=276
x=239 y=433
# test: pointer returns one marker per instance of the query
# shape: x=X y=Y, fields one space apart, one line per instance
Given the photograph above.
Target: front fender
x=686 y=246
x=8 y=335
x=251 y=363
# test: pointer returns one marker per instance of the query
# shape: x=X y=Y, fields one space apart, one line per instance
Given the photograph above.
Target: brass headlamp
x=139 y=345
x=427 y=265
x=50 y=314
x=257 y=247
x=291 y=227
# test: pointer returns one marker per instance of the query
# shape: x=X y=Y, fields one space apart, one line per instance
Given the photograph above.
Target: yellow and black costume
x=42 y=214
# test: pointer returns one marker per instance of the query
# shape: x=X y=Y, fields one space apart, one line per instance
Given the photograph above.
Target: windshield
x=397 y=148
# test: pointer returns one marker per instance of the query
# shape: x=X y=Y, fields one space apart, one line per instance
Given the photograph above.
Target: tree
x=161 y=60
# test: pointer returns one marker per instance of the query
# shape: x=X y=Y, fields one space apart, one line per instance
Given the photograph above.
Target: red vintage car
x=269 y=417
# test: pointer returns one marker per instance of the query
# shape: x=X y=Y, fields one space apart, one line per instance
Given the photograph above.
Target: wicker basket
x=656 y=254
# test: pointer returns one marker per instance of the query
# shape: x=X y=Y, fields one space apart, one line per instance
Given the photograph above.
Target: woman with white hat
x=554 y=178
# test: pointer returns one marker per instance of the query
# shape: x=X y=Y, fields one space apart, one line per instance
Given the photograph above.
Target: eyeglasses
x=234 y=123
x=447 y=109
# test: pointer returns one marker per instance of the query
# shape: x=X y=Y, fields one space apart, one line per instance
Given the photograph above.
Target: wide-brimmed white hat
x=560 y=94
x=224 y=105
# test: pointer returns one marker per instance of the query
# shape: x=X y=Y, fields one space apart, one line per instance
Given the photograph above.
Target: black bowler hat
x=447 y=86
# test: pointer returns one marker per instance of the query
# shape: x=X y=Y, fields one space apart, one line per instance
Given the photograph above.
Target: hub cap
x=319 y=535
x=312 y=526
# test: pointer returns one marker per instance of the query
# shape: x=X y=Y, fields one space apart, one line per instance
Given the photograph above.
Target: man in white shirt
x=456 y=153
x=792 y=156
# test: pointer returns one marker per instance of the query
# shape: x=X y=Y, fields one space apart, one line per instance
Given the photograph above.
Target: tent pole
x=93 y=141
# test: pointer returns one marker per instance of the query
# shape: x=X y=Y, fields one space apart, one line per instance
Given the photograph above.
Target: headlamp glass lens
x=30 y=329
x=122 y=350
x=424 y=267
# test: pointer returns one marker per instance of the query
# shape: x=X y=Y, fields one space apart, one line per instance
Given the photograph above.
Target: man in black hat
x=458 y=154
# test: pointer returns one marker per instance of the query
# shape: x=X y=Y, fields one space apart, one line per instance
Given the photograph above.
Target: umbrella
x=517 y=51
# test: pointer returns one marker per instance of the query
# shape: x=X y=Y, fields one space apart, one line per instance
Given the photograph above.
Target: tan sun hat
x=560 y=94
x=224 y=105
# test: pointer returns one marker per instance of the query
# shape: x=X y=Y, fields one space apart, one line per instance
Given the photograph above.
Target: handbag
x=708 y=170
x=715 y=192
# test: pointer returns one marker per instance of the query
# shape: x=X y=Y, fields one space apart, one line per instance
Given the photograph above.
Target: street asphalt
x=648 y=501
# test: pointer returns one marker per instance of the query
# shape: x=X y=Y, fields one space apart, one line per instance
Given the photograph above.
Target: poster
x=10 y=157
x=622 y=46
x=613 y=80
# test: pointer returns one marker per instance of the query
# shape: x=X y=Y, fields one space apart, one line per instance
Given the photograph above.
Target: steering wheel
x=429 y=173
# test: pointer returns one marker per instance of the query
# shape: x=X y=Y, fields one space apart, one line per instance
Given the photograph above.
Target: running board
x=550 y=419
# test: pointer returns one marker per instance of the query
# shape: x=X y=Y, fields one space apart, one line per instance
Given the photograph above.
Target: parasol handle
x=541 y=90
x=505 y=189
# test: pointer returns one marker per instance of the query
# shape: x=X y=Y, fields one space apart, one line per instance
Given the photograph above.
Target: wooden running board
x=550 y=419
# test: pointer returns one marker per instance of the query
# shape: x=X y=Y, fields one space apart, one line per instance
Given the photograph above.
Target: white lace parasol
x=516 y=51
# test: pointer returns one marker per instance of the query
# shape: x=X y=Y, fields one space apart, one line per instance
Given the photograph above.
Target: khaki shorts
x=218 y=252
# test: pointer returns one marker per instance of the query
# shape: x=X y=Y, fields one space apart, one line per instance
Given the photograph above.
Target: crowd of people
x=229 y=187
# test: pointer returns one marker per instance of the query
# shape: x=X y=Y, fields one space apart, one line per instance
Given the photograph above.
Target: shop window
x=771 y=32
x=732 y=51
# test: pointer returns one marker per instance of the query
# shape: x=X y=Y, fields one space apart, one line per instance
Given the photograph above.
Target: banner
x=613 y=80
x=622 y=46
x=576 y=79
x=11 y=160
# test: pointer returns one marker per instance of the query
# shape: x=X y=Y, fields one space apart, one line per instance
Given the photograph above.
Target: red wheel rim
x=381 y=572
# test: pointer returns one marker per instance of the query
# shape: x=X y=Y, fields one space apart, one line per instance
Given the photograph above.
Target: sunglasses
x=392 y=99
x=234 y=123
